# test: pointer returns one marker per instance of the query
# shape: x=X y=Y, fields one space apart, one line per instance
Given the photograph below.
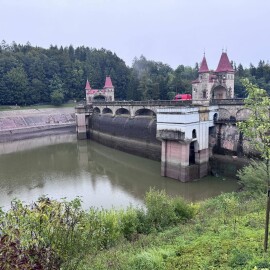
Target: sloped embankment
x=22 y=124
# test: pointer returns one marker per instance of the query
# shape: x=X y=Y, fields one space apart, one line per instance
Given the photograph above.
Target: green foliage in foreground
x=57 y=235
x=254 y=177
x=227 y=233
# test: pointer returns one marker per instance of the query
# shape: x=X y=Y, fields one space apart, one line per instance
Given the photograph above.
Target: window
x=204 y=94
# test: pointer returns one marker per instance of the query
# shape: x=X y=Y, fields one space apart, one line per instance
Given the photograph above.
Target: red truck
x=183 y=97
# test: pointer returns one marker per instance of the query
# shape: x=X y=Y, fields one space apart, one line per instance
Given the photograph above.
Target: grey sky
x=171 y=31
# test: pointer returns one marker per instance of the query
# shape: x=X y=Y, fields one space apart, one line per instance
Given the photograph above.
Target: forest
x=34 y=75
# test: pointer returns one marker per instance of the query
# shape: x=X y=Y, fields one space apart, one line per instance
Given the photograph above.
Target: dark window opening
x=191 y=154
x=194 y=135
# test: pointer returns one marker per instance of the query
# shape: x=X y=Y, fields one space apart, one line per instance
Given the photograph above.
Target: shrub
x=160 y=209
x=254 y=177
x=182 y=210
x=163 y=211
x=129 y=223
x=46 y=231
x=147 y=261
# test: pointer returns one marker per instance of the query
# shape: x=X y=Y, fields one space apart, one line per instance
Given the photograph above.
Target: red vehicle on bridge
x=183 y=97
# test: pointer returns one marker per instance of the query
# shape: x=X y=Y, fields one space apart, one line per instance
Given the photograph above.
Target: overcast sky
x=171 y=31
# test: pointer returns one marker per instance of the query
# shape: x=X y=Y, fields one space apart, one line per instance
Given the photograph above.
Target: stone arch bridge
x=229 y=109
x=135 y=108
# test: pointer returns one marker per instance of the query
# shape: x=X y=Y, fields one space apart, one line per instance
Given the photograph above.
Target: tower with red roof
x=104 y=94
x=218 y=84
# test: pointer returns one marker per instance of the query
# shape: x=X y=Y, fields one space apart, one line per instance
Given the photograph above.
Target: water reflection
x=60 y=166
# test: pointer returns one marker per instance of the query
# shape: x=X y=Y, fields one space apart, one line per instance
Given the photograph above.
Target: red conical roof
x=87 y=86
x=224 y=64
x=204 y=66
x=108 y=82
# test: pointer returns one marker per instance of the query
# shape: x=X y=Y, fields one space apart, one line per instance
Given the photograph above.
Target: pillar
x=175 y=161
x=202 y=159
x=81 y=126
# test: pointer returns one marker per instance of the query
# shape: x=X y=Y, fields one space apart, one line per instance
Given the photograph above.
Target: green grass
x=227 y=233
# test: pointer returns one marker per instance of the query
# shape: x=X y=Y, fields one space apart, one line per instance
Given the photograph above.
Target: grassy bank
x=225 y=232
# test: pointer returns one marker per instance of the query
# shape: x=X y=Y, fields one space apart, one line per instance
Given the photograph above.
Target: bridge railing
x=144 y=103
x=232 y=101
x=228 y=101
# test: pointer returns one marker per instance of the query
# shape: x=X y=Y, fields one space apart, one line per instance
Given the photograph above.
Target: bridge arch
x=96 y=110
x=224 y=114
x=145 y=112
x=219 y=92
x=243 y=114
x=122 y=111
x=107 y=111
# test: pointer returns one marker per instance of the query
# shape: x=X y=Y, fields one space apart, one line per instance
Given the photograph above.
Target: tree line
x=31 y=75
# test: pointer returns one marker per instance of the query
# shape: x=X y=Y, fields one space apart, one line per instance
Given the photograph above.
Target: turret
x=109 y=88
x=225 y=74
x=200 y=86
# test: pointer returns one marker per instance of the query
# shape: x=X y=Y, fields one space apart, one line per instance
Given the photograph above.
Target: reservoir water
x=62 y=167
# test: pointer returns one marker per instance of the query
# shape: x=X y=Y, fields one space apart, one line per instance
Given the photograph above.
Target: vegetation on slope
x=225 y=232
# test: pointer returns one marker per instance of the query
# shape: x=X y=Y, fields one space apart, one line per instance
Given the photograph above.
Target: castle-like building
x=218 y=84
x=106 y=94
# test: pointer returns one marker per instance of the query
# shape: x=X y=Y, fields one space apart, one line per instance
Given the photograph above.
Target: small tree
x=57 y=98
x=257 y=130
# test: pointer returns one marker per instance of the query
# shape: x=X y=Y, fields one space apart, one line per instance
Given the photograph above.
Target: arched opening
x=192 y=153
x=122 y=111
x=194 y=135
x=145 y=112
x=99 y=98
x=96 y=110
x=219 y=92
x=215 y=118
x=107 y=110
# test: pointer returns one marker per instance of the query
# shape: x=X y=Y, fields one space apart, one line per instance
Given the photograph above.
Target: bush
x=129 y=223
x=147 y=261
x=239 y=259
x=160 y=209
x=254 y=177
x=52 y=235
x=163 y=211
x=182 y=210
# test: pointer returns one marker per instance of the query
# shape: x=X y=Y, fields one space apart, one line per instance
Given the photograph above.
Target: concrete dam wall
x=226 y=139
x=23 y=124
x=133 y=135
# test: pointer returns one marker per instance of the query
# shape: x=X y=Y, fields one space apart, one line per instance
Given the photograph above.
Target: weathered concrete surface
x=23 y=124
x=227 y=140
x=133 y=135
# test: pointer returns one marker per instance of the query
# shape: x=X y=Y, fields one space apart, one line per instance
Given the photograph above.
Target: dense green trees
x=259 y=76
x=30 y=75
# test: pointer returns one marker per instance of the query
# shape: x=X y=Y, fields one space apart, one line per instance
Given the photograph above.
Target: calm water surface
x=62 y=167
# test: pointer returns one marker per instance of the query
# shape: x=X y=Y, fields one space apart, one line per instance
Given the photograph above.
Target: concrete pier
x=184 y=133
